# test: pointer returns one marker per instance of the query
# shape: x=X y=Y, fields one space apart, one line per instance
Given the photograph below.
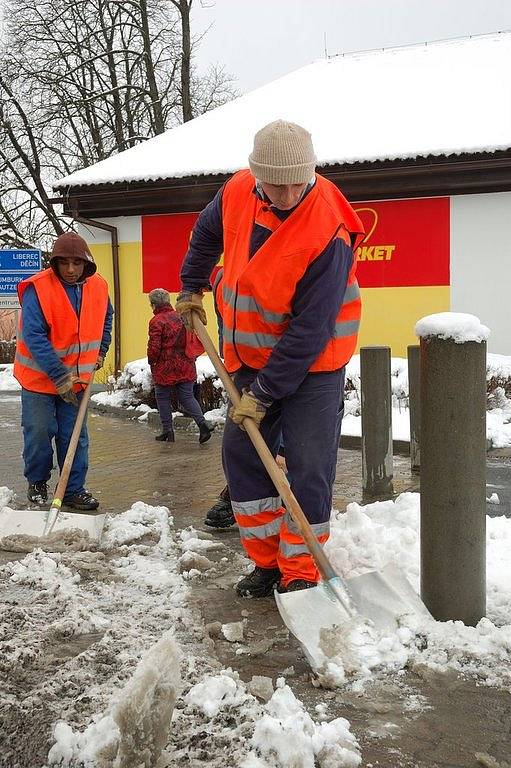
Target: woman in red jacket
x=171 y=367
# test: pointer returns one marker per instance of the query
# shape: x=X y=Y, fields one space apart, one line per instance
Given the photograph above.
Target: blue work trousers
x=48 y=418
x=185 y=397
x=308 y=422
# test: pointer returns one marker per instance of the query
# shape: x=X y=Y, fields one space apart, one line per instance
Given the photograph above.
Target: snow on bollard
x=453 y=465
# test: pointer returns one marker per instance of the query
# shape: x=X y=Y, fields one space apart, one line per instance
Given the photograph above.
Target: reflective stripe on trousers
x=309 y=423
x=259 y=525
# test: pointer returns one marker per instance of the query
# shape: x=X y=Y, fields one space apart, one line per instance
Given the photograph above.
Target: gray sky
x=260 y=40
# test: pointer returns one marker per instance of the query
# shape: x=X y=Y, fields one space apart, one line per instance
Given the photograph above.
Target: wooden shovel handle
x=277 y=475
x=71 y=450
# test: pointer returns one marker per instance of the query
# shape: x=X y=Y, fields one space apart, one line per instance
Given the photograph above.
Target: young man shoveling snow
x=290 y=307
x=63 y=336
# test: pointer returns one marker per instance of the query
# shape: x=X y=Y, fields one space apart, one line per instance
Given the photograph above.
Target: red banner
x=165 y=241
x=406 y=244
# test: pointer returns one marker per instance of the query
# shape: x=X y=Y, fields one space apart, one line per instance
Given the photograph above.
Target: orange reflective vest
x=75 y=339
x=257 y=293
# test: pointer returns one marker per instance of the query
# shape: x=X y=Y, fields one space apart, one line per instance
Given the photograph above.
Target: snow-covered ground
x=7 y=380
x=115 y=696
x=149 y=668
x=136 y=378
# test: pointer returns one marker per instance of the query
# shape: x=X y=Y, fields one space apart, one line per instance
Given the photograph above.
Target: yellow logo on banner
x=373 y=252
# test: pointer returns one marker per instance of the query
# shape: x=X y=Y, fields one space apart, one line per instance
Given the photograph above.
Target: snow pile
x=6 y=496
x=7 y=380
x=284 y=735
x=352 y=419
x=140 y=521
x=205 y=369
x=217 y=692
x=135 y=382
x=114 y=605
x=135 y=729
x=457 y=326
x=136 y=375
x=373 y=536
x=498 y=419
x=498 y=366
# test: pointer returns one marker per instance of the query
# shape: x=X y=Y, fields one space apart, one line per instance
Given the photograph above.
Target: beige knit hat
x=283 y=154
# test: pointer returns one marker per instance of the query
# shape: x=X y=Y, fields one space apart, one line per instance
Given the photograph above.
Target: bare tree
x=82 y=80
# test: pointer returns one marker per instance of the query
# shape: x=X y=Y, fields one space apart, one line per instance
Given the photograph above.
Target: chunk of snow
x=233 y=631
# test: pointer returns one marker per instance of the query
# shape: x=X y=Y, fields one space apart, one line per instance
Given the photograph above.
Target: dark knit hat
x=72 y=246
x=283 y=154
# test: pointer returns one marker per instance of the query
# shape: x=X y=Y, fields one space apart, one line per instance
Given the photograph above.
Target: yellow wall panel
x=389 y=315
x=135 y=309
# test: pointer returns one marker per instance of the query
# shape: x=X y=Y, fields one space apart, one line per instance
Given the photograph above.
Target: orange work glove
x=188 y=302
x=248 y=406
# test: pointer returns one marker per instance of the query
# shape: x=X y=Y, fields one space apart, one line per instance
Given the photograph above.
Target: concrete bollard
x=414 y=405
x=453 y=473
x=376 y=400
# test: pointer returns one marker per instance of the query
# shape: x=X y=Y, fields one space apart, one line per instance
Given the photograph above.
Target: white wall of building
x=481 y=263
x=129 y=230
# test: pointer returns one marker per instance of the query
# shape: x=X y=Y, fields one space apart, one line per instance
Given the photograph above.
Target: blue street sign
x=15 y=266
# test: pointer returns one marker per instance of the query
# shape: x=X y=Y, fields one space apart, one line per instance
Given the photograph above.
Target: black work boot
x=296 y=585
x=166 y=437
x=205 y=432
x=84 y=501
x=220 y=515
x=259 y=583
x=37 y=493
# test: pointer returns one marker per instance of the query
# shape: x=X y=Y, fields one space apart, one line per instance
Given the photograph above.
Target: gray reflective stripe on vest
x=346 y=328
x=270 y=504
x=352 y=292
x=74 y=349
x=256 y=340
x=28 y=362
x=249 y=304
x=318 y=529
x=261 y=531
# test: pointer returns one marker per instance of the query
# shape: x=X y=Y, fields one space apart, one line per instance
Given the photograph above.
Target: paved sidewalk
x=458 y=719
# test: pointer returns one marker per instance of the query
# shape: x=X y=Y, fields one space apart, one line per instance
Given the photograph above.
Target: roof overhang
x=389 y=179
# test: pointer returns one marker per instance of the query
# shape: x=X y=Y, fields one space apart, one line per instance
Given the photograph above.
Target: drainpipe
x=117 y=282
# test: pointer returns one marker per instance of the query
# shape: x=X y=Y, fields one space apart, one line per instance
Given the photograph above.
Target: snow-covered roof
x=440 y=98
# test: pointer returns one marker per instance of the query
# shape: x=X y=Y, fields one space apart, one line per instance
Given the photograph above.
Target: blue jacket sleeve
x=318 y=298
x=206 y=246
x=107 y=330
x=35 y=335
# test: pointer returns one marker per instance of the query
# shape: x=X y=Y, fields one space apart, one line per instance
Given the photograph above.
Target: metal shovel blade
x=383 y=596
x=380 y=596
x=308 y=611
x=31 y=522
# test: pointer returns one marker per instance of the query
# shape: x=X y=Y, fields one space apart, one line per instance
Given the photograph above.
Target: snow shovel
x=36 y=523
x=380 y=596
